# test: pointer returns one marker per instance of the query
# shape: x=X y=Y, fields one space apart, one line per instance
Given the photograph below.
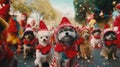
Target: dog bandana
x=43 y=49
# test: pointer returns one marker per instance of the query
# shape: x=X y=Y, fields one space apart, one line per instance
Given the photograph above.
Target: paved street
x=96 y=61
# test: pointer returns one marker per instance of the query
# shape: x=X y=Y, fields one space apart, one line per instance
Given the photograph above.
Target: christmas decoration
x=82 y=7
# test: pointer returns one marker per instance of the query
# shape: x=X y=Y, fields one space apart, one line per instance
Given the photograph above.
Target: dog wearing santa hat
x=66 y=48
x=85 y=46
x=110 y=44
x=29 y=41
x=96 y=40
x=43 y=49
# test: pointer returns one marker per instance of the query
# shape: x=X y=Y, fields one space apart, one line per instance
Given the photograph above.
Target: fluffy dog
x=110 y=42
x=43 y=49
x=66 y=48
x=85 y=47
x=29 y=41
x=96 y=38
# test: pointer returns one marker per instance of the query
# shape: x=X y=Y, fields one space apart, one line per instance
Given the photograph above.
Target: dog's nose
x=44 y=40
x=66 y=33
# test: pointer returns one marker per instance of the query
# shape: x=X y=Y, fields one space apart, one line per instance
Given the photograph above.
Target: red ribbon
x=108 y=43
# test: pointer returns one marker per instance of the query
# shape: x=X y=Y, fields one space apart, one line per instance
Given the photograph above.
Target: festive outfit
x=13 y=33
x=116 y=24
x=4 y=12
x=110 y=43
x=68 y=52
x=96 y=41
x=43 y=49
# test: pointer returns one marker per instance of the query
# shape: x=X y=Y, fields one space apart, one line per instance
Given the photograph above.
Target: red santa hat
x=4 y=11
x=64 y=22
x=42 y=26
x=28 y=28
x=118 y=6
x=107 y=28
x=84 y=28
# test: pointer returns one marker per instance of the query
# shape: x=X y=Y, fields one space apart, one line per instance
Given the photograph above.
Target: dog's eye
x=40 y=37
x=71 y=30
x=61 y=31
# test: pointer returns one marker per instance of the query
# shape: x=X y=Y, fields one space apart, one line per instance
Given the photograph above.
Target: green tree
x=82 y=7
x=105 y=6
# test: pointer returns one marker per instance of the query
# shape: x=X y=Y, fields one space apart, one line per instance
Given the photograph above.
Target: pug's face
x=67 y=35
x=29 y=35
x=110 y=36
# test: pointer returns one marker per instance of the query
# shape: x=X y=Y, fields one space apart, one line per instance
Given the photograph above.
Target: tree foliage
x=42 y=6
x=82 y=7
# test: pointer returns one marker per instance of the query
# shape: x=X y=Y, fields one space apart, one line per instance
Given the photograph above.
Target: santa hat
x=4 y=11
x=28 y=28
x=3 y=24
x=107 y=28
x=64 y=22
x=42 y=26
x=118 y=6
x=84 y=28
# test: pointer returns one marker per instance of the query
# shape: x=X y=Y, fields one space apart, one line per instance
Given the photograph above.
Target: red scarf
x=97 y=37
x=70 y=51
x=108 y=43
x=43 y=49
x=31 y=42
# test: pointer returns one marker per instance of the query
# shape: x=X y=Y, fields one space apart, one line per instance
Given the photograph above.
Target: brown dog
x=85 y=47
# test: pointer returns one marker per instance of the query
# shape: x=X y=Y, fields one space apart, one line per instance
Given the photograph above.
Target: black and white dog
x=110 y=45
x=65 y=48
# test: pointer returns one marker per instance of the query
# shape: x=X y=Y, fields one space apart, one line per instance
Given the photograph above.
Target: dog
x=110 y=45
x=65 y=48
x=29 y=42
x=85 y=46
x=96 y=40
x=43 y=49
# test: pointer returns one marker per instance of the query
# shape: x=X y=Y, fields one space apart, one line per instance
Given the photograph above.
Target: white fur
x=40 y=58
x=96 y=42
x=62 y=34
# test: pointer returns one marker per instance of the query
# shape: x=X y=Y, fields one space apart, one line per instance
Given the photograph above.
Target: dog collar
x=43 y=49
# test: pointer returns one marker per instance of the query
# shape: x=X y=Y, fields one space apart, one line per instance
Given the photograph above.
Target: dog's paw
x=114 y=58
x=24 y=57
x=86 y=58
x=106 y=58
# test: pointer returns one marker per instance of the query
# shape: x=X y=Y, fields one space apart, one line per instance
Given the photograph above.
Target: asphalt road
x=96 y=61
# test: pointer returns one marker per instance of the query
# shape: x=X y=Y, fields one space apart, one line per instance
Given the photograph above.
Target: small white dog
x=43 y=49
x=96 y=38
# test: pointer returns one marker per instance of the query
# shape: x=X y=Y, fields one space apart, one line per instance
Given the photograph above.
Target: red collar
x=97 y=37
x=108 y=43
x=43 y=49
